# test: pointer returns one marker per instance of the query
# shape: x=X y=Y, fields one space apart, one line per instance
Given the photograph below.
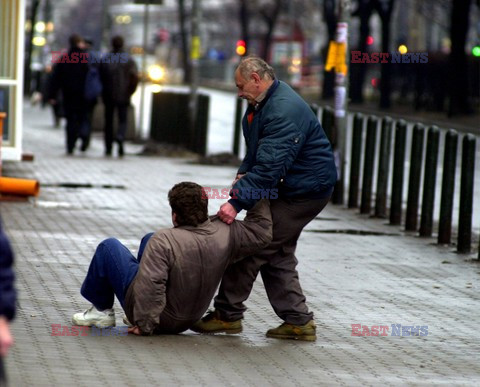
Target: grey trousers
x=276 y=264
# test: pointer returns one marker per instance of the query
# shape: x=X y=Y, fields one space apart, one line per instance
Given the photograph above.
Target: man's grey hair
x=254 y=64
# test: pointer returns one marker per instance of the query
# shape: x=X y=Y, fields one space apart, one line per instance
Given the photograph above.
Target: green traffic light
x=476 y=51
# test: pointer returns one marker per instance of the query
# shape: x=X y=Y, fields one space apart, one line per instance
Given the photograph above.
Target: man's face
x=248 y=89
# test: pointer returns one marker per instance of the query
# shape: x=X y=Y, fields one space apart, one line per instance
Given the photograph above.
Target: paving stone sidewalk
x=354 y=270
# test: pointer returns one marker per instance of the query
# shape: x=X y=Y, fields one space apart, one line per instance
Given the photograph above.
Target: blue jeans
x=111 y=272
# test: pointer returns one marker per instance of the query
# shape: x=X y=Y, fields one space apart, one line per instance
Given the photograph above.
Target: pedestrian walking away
x=172 y=282
x=289 y=153
x=119 y=77
x=69 y=76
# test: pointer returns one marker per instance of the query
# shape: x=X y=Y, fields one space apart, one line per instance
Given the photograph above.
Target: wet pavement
x=356 y=272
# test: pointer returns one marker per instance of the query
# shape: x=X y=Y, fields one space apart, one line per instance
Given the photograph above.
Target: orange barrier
x=23 y=187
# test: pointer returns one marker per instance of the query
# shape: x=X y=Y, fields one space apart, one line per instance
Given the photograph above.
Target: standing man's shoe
x=305 y=332
x=212 y=323
x=95 y=317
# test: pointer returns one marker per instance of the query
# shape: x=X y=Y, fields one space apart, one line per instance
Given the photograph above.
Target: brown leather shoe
x=305 y=332
x=212 y=323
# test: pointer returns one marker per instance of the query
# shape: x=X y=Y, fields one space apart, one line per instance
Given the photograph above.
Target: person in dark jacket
x=7 y=300
x=171 y=284
x=119 y=79
x=69 y=76
x=287 y=150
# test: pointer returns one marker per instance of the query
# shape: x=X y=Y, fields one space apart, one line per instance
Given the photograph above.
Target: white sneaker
x=94 y=317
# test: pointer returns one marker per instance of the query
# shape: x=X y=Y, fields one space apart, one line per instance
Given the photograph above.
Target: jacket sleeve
x=7 y=290
x=254 y=232
x=150 y=286
x=276 y=152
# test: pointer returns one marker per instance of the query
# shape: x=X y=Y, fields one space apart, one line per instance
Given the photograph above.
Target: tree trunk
x=187 y=70
x=385 y=9
x=358 y=70
x=331 y=20
x=459 y=82
x=271 y=20
x=28 y=55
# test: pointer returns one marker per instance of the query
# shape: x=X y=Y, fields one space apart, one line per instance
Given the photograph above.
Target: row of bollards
x=418 y=161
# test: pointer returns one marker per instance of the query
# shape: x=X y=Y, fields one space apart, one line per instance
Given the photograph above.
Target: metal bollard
x=383 y=168
x=315 y=108
x=366 y=202
x=430 y=177
x=414 y=178
x=448 y=187
x=238 y=127
x=466 y=194
x=327 y=123
x=355 y=160
x=398 y=168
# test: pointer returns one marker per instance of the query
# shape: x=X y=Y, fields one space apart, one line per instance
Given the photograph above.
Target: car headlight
x=156 y=73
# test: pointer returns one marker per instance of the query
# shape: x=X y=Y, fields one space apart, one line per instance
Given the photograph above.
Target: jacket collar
x=270 y=91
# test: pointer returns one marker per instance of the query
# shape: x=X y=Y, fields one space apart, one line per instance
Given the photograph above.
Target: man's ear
x=256 y=77
x=174 y=219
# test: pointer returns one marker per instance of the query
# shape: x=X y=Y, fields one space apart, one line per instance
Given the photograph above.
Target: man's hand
x=227 y=213
x=6 y=339
x=237 y=178
x=135 y=330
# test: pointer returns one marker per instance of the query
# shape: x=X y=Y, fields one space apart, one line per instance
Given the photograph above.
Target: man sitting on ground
x=170 y=285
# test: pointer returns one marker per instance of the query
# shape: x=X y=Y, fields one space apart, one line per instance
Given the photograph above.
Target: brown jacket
x=181 y=269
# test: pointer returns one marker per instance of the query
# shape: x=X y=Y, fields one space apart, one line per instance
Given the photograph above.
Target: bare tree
x=358 y=70
x=330 y=16
x=385 y=9
x=459 y=79
x=187 y=70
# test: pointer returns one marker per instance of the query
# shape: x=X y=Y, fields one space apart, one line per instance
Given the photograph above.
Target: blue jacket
x=287 y=150
x=7 y=291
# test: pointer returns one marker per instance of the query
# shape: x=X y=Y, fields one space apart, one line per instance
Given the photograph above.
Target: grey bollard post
x=366 y=202
x=383 y=168
x=418 y=135
x=448 y=187
x=238 y=127
x=315 y=108
x=398 y=173
x=466 y=194
x=355 y=160
x=430 y=177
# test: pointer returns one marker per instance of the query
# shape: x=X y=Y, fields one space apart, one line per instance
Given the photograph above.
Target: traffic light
x=241 y=47
x=476 y=50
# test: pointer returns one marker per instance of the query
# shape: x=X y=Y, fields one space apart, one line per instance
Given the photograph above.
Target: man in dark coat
x=69 y=76
x=7 y=300
x=288 y=151
x=119 y=79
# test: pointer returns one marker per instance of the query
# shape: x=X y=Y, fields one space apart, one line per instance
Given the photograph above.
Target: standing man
x=69 y=76
x=7 y=300
x=119 y=79
x=287 y=149
x=178 y=269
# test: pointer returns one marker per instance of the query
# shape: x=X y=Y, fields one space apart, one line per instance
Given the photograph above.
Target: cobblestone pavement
x=354 y=270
